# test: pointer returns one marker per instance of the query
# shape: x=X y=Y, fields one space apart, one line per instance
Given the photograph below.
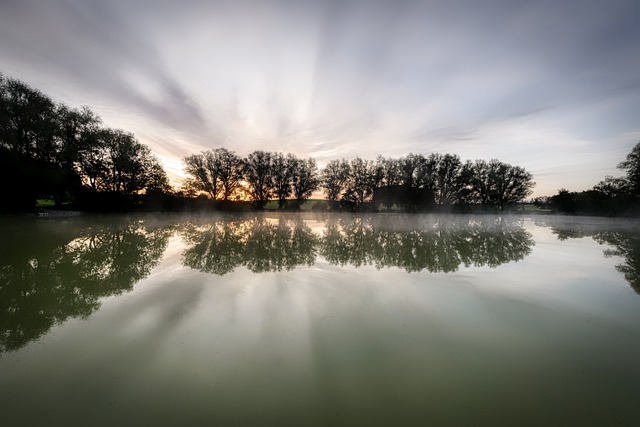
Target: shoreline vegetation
x=57 y=160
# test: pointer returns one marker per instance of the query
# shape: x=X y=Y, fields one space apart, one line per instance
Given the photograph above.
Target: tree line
x=611 y=196
x=50 y=150
x=411 y=183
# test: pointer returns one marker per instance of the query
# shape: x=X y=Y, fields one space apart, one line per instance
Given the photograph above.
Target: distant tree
x=305 y=179
x=542 y=202
x=613 y=186
x=499 y=184
x=361 y=183
x=466 y=193
x=420 y=178
x=203 y=173
x=259 y=177
x=565 y=201
x=481 y=181
x=155 y=176
x=410 y=170
x=448 y=179
x=282 y=168
x=388 y=180
x=632 y=166
x=390 y=171
x=510 y=184
x=334 y=179
x=230 y=171
x=129 y=166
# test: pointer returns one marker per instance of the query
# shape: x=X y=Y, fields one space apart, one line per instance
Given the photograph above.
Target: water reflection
x=624 y=239
x=258 y=244
x=435 y=245
x=54 y=271
x=431 y=244
x=625 y=245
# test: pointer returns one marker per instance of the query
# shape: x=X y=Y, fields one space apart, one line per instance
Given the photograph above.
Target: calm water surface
x=337 y=320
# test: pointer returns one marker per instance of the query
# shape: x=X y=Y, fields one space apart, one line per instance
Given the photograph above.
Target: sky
x=552 y=86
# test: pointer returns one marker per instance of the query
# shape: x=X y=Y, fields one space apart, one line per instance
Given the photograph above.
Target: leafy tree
x=75 y=134
x=448 y=179
x=258 y=174
x=305 y=179
x=130 y=166
x=632 y=166
x=410 y=170
x=482 y=182
x=360 y=183
x=388 y=179
x=230 y=171
x=499 y=184
x=203 y=173
x=334 y=179
x=282 y=168
x=92 y=159
x=26 y=120
x=511 y=184
x=420 y=178
x=613 y=186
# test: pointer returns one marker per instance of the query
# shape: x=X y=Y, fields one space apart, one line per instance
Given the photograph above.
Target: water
x=336 y=320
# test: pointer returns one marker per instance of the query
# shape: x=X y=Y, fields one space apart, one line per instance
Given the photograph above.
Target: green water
x=297 y=320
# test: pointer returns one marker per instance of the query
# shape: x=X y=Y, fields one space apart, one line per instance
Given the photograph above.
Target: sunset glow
x=550 y=86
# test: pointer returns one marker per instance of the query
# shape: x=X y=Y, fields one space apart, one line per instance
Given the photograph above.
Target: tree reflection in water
x=56 y=271
x=435 y=245
x=624 y=239
x=259 y=244
x=626 y=245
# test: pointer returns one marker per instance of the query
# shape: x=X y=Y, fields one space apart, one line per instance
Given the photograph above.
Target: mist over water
x=319 y=320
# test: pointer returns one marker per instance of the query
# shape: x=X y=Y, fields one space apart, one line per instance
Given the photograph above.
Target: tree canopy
x=611 y=196
x=54 y=151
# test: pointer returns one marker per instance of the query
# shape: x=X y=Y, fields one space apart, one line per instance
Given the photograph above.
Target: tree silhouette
x=632 y=167
x=305 y=179
x=282 y=168
x=51 y=151
x=334 y=179
x=258 y=173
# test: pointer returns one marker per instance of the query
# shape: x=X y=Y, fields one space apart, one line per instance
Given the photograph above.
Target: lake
x=294 y=320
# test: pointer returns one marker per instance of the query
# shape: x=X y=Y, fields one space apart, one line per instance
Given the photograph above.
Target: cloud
x=89 y=43
x=330 y=79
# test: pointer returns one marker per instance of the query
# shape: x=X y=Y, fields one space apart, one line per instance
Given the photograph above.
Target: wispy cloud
x=549 y=85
